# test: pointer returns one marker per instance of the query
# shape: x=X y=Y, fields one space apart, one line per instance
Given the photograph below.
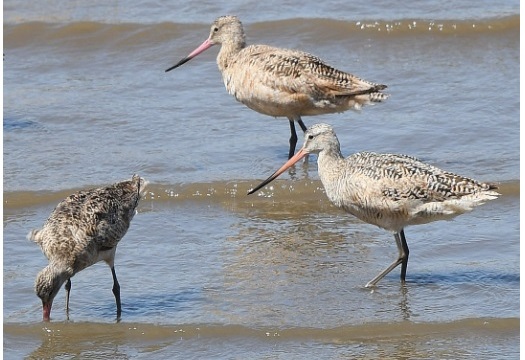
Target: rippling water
x=207 y=271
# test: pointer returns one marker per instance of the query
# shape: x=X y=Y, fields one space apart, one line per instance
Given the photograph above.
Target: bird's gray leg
x=301 y=124
x=303 y=127
x=68 y=289
x=293 y=138
x=402 y=259
x=116 y=292
x=403 y=254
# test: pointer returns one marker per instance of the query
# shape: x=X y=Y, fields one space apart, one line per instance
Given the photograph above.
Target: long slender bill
x=203 y=47
x=46 y=311
x=300 y=154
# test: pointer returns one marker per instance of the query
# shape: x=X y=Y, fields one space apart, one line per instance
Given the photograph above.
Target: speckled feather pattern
x=83 y=229
x=283 y=82
x=390 y=190
x=88 y=222
x=427 y=182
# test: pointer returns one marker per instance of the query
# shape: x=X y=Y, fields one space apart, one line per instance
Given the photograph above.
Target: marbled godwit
x=84 y=229
x=282 y=82
x=388 y=190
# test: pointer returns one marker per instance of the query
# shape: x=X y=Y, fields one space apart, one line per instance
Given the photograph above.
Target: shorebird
x=282 y=82
x=388 y=190
x=82 y=230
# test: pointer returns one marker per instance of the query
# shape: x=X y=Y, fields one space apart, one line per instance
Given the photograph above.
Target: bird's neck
x=329 y=159
x=330 y=163
x=51 y=278
x=228 y=53
x=330 y=155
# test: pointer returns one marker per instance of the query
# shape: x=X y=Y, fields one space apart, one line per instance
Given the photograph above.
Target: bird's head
x=48 y=282
x=225 y=29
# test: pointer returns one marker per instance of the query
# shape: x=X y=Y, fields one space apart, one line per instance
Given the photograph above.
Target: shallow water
x=207 y=271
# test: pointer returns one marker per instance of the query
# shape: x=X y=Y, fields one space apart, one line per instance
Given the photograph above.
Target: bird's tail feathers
x=378 y=97
x=468 y=203
x=367 y=99
x=33 y=235
x=140 y=183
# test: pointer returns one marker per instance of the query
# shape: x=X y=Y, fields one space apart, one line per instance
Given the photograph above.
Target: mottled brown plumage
x=388 y=190
x=82 y=230
x=283 y=82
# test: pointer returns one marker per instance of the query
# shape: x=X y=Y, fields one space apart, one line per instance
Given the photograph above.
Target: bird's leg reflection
x=403 y=303
x=67 y=287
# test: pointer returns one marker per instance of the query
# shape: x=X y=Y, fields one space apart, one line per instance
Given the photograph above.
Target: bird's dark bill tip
x=183 y=61
x=171 y=68
x=258 y=187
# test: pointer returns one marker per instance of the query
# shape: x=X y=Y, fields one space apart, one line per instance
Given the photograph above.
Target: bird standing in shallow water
x=82 y=230
x=387 y=190
x=282 y=82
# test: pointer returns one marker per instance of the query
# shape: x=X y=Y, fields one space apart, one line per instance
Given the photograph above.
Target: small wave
x=360 y=332
x=405 y=27
x=89 y=33
x=214 y=192
x=83 y=33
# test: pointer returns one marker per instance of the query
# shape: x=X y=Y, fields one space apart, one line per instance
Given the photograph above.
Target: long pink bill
x=46 y=311
x=203 y=47
x=300 y=154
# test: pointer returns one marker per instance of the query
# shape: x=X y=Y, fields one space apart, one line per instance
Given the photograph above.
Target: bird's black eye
x=310 y=137
x=215 y=29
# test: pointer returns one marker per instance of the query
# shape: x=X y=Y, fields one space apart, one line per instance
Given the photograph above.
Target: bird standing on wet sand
x=82 y=230
x=282 y=82
x=388 y=190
